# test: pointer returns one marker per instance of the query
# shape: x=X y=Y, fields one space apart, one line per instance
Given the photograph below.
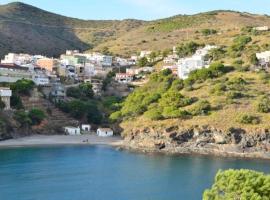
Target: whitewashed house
x=5 y=94
x=104 y=132
x=69 y=130
x=41 y=79
x=123 y=78
x=197 y=61
x=261 y=28
x=86 y=127
x=264 y=59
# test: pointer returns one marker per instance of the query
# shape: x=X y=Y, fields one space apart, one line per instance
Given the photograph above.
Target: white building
x=123 y=78
x=197 y=61
x=104 y=132
x=86 y=127
x=18 y=59
x=41 y=79
x=261 y=28
x=145 y=54
x=69 y=130
x=5 y=94
x=136 y=70
x=263 y=57
x=107 y=61
x=187 y=65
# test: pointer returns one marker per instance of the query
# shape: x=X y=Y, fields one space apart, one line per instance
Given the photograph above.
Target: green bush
x=234 y=95
x=170 y=112
x=207 y=32
x=16 y=102
x=217 y=53
x=142 y=62
x=153 y=114
x=36 y=116
x=201 y=108
x=215 y=70
x=23 y=118
x=83 y=91
x=82 y=110
x=239 y=184
x=249 y=119
x=22 y=87
x=219 y=89
x=264 y=105
x=114 y=117
x=187 y=49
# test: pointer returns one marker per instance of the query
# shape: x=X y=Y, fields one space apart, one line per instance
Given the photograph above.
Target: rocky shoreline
x=203 y=141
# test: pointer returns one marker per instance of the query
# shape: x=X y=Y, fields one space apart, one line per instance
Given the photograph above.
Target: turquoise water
x=103 y=173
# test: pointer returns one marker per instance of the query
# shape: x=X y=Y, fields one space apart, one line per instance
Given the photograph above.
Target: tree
x=23 y=118
x=187 y=49
x=16 y=102
x=36 y=116
x=86 y=90
x=83 y=91
x=22 y=87
x=142 y=62
x=264 y=105
x=239 y=184
x=153 y=56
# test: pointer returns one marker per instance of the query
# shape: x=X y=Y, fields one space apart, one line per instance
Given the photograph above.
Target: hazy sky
x=143 y=9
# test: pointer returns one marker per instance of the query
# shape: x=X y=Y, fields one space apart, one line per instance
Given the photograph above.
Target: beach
x=37 y=140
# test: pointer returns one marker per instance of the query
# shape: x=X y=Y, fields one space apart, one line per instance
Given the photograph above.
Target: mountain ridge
x=28 y=29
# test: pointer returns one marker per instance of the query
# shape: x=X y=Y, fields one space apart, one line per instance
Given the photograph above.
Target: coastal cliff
x=204 y=140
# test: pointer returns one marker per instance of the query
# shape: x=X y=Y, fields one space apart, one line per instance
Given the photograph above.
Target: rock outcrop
x=201 y=140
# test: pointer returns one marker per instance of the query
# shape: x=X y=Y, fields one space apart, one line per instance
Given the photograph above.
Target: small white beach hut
x=86 y=127
x=104 y=132
x=69 y=130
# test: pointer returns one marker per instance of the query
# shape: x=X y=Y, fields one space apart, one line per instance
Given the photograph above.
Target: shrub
x=217 y=53
x=22 y=87
x=187 y=49
x=36 y=116
x=16 y=102
x=249 y=119
x=264 y=76
x=83 y=91
x=23 y=118
x=218 y=89
x=239 y=184
x=142 y=62
x=207 y=32
x=115 y=116
x=234 y=95
x=214 y=70
x=201 y=108
x=153 y=114
x=264 y=105
x=171 y=112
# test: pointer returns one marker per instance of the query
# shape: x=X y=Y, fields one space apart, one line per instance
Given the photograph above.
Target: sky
x=143 y=9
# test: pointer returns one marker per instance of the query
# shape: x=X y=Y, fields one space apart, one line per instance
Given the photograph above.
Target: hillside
x=220 y=110
x=24 y=28
x=166 y=33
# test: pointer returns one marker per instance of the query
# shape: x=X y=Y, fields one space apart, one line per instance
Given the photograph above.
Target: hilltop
x=24 y=28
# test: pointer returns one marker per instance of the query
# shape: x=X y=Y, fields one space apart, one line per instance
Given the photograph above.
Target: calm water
x=102 y=173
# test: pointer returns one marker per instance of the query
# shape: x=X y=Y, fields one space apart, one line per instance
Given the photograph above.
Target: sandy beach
x=37 y=140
